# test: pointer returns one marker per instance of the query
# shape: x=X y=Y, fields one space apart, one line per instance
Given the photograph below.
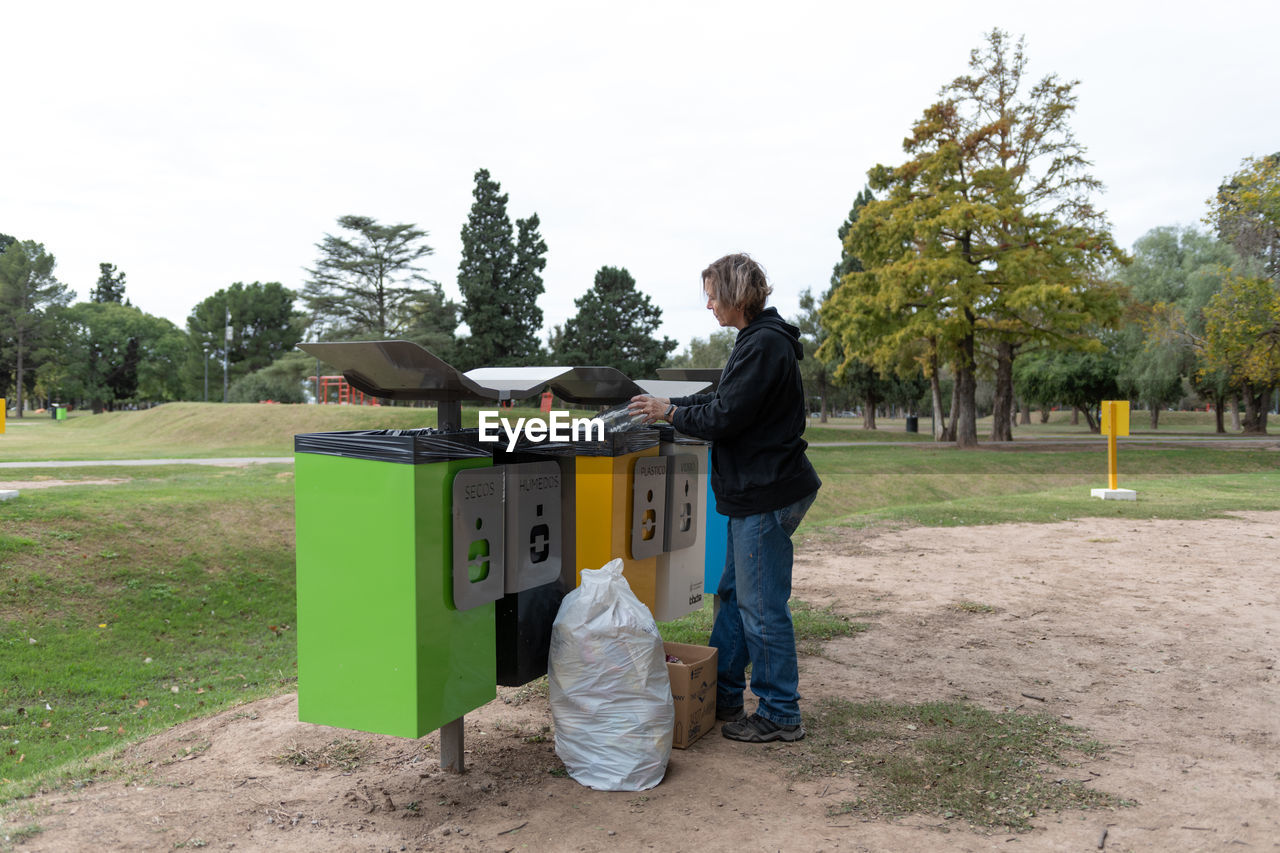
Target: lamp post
x=205 y=348
x=225 y=349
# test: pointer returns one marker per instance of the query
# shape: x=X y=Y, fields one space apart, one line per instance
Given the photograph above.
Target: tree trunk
x=966 y=420
x=869 y=412
x=935 y=392
x=18 y=373
x=1234 y=403
x=1024 y=413
x=1155 y=417
x=950 y=433
x=1217 y=414
x=1045 y=414
x=1094 y=426
x=1075 y=416
x=1002 y=406
x=1255 y=409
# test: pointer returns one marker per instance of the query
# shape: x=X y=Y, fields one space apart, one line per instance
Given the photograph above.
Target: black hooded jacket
x=754 y=420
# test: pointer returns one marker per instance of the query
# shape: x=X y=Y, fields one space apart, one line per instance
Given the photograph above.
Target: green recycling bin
x=382 y=646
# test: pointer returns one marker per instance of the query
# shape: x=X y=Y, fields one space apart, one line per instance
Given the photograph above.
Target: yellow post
x=3 y=403
x=1115 y=422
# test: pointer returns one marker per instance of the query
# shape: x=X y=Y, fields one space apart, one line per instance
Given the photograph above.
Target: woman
x=765 y=484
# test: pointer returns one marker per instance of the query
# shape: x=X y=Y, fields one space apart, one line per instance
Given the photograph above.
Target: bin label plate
x=534 y=533
x=479 y=534
x=648 y=507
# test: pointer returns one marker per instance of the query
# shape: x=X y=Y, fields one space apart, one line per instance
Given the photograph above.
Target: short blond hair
x=738 y=281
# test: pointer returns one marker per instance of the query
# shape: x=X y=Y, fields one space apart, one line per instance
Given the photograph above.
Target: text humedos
x=558 y=427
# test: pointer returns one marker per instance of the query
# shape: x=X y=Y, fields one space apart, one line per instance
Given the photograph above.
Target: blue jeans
x=754 y=622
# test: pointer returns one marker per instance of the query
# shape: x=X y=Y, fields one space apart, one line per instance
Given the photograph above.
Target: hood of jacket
x=769 y=318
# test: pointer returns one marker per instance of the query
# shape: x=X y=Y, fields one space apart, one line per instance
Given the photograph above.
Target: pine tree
x=500 y=280
x=615 y=327
x=28 y=290
x=110 y=286
x=363 y=285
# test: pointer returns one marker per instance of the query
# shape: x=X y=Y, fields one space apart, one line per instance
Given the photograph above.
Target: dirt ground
x=1159 y=637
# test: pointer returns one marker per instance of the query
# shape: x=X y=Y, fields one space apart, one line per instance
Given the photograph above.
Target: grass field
x=126 y=608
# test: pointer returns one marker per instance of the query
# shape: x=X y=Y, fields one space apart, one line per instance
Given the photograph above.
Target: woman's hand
x=653 y=408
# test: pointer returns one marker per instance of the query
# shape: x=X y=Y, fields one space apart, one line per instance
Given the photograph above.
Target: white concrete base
x=1114 y=494
x=5 y=494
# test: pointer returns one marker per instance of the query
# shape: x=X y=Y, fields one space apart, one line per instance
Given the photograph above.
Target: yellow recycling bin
x=605 y=514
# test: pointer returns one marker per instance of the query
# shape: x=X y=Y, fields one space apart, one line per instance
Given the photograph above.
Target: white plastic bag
x=610 y=694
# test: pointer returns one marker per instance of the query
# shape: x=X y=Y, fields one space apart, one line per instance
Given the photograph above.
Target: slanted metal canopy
x=397 y=370
x=708 y=375
x=668 y=388
x=516 y=383
x=402 y=370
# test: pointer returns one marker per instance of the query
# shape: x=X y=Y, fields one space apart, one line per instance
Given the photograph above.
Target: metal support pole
x=449 y=414
x=1112 y=478
x=451 y=759
x=449 y=417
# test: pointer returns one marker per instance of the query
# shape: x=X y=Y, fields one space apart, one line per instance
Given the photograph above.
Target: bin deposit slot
x=478 y=557
x=539 y=540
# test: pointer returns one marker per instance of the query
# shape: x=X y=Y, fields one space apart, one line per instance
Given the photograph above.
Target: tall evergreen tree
x=363 y=283
x=500 y=280
x=28 y=292
x=826 y=365
x=110 y=286
x=615 y=327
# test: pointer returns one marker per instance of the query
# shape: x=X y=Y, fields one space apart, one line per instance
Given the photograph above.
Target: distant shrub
x=256 y=388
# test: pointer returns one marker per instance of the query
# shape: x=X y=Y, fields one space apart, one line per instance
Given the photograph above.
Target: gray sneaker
x=756 y=729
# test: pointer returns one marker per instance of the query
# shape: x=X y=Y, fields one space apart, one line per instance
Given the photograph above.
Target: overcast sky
x=196 y=145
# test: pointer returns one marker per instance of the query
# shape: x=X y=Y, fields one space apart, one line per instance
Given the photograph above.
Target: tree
x=263 y=324
x=987 y=233
x=818 y=374
x=500 y=280
x=261 y=386
x=1242 y=338
x=1078 y=379
x=28 y=290
x=1173 y=274
x=823 y=352
x=363 y=284
x=1246 y=211
x=115 y=354
x=711 y=351
x=110 y=286
x=615 y=327
x=433 y=322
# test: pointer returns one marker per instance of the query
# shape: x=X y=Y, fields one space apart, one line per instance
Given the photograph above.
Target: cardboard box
x=693 y=687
